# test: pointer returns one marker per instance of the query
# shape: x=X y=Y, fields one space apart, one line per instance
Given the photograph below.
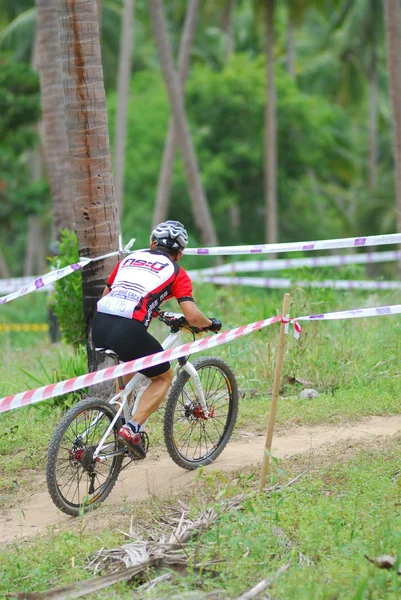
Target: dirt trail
x=161 y=476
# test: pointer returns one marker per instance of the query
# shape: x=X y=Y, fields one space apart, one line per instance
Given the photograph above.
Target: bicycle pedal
x=145 y=440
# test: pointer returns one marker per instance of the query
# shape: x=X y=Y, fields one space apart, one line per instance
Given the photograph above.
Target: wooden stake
x=275 y=392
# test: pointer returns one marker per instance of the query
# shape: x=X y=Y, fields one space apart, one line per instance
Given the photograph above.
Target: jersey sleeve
x=112 y=277
x=182 y=287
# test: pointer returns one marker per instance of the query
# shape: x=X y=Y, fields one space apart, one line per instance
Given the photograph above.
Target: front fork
x=193 y=373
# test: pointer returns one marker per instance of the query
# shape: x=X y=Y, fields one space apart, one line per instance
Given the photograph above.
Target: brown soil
x=160 y=476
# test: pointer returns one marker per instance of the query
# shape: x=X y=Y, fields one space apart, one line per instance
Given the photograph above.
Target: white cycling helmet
x=171 y=234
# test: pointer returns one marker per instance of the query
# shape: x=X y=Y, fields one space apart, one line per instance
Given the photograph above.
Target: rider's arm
x=182 y=290
x=193 y=315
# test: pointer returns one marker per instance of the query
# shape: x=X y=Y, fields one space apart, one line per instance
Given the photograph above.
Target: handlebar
x=176 y=321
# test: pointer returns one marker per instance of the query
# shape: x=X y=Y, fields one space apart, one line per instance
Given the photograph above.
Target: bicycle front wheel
x=75 y=479
x=192 y=437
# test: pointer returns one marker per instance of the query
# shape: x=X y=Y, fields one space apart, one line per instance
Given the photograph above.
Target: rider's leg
x=153 y=396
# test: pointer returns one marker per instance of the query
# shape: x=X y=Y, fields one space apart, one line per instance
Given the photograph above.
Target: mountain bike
x=85 y=455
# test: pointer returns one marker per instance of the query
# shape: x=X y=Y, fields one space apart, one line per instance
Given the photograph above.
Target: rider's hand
x=215 y=326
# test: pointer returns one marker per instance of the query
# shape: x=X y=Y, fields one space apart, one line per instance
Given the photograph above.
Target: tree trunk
x=373 y=88
x=392 y=14
x=270 y=132
x=33 y=250
x=291 y=46
x=52 y=100
x=36 y=240
x=96 y=214
x=4 y=272
x=99 y=17
x=227 y=23
x=166 y=171
x=200 y=207
x=123 y=86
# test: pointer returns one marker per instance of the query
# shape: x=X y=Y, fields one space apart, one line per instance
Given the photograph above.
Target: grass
x=346 y=507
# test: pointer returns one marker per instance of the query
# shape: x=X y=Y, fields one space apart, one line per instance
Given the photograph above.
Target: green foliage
x=226 y=110
x=67 y=300
x=68 y=367
x=19 y=197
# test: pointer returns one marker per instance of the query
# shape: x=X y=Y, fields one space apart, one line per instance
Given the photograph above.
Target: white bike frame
x=139 y=383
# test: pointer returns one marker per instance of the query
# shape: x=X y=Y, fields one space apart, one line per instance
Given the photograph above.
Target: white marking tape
x=52 y=276
x=281 y=283
x=14 y=283
x=250 y=266
x=360 y=242
x=376 y=311
x=77 y=383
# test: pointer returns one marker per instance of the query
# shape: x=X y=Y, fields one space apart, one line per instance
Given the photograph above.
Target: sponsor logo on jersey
x=156 y=266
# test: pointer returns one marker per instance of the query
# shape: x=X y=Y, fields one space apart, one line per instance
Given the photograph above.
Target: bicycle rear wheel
x=192 y=438
x=75 y=480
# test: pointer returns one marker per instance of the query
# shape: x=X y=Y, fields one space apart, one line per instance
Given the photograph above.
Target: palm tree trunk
x=96 y=215
x=35 y=239
x=228 y=26
x=392 y=14
x=291 y=45
x=52 y=100
x=166 y=171
x=4 y=271
x=373 y=89
x=123 y=85
x=202 y=216
x=270 y=132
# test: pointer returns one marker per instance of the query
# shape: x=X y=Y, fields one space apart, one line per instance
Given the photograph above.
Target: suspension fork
x=193 y=373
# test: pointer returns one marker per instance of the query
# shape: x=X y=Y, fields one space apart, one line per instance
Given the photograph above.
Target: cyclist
x=139 y=283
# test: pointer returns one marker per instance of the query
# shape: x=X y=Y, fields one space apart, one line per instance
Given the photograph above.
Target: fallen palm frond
x=263 y=585
x=278 y=488
x=168 y=549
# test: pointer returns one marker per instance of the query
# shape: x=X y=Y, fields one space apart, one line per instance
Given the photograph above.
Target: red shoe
x=133 y=441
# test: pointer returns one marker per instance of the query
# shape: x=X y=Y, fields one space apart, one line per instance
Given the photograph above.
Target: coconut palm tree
x=392 y=13
x=200 y=207
x=123 y=85
x=52 y=99
x=170 y=144
x=96 y=214
x=271 y=218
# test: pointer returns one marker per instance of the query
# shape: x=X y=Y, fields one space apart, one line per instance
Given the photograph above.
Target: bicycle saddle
x=108 y=352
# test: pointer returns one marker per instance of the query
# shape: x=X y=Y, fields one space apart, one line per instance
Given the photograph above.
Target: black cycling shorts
x=128 y=338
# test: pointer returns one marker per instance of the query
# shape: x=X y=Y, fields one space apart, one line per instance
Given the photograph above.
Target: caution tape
x=282 y=283
x=7 y=327
x=63 y=387
x=251 y=266
x=355 y=242
x=77 y=383
x=57 y=274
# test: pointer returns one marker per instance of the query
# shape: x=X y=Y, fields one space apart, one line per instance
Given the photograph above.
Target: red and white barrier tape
x=251 y=266
x=281 y=283
x=52 y=276
x=63 y=387
x=359 y=242
x=77 y=383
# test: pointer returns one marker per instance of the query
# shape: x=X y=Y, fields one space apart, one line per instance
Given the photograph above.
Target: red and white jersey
x=141 y=282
